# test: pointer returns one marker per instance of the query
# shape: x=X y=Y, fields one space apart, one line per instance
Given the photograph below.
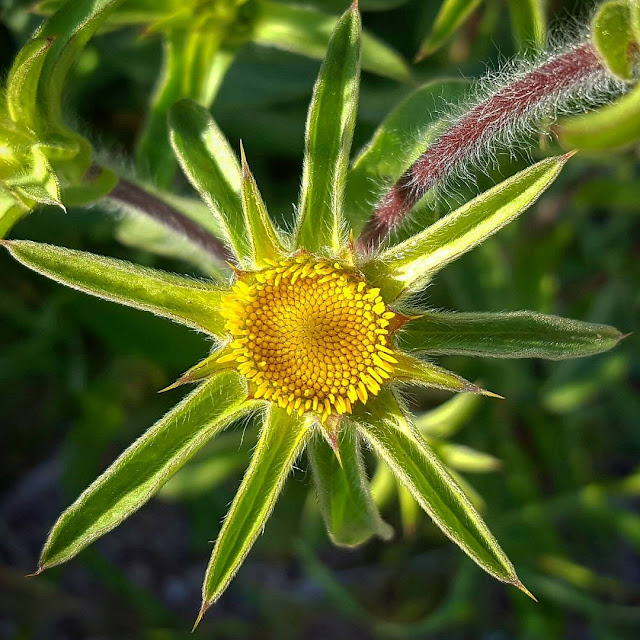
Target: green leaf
x=429 y=375
x=329 y=133
x=90 y=190
x=265 y=242
x=212 y=168
x=464 y=458
x=398 y=142
x=383 y=424
x=343 y=491
x=612 y=35
x=282 y=439
x=71 y=26
x=11 y=210
x=307 y=31
x=449 y=19
x=39 y=182
x=413 y=263
x=520 y=334
x=145 y=466
x=614 y=126
x=449 y=417
x=189 y=302
x=635 y=20
x=409 y=511
x=23 y=80
x=194 y=67
x=529 y=21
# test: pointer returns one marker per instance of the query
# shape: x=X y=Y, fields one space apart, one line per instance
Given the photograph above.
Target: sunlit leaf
x=281 y=440
x=383 y=424
x=521 y=334
x=184 y=300
x=612 y=126
x=145 y=466
x=450 y=17
x=212 y=168
x=343 y=491
x=612 y=36
x=307 y=31
x=413 y=263
x=330 y=123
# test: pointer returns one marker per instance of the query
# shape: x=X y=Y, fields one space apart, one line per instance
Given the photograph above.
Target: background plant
x=535 y=436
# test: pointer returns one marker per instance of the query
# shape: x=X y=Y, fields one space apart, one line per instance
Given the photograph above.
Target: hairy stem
x=529 y=98
x=135 y=197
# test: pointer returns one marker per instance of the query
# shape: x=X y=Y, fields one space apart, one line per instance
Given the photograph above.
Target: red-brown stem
x=560 y=78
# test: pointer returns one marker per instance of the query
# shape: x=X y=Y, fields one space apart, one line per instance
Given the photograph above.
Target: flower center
x=310 y=335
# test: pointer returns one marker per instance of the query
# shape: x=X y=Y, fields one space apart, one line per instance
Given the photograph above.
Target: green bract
x=345 y=291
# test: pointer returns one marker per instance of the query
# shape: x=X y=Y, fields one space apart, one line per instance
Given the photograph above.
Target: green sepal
x=529 y=22
x=281 y=440
x=412 y=263
x=217 y=361
x=265 y=242
x=520 y=334
x=410 y=369
x=190 y=302
x=451 y=16
x=612 y=35
x=382 y=422
x=396 y=144
x=145 y=466
x=329 y=132
x=614 y=126
x=307 y=31
x=343 y=491
x=212 y=168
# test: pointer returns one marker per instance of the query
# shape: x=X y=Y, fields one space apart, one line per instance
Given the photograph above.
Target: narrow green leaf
x=521 y=334
x=614 y=126
x=397 y=143
x=409 y=511
x=383 y=424
x=265 y=242
x=529 y=21
x=190 y=302
x=464 y=458
x=429 y=375
x=11 y=210
x=23 y=80
x=413 y=263
x=449 y=417
x=449 y=19
x=193 y=67
x=307 y=31
x=212 y=168
x=90 y=190
x=329 y=133
x=612 y=35
x=282 y=439
x=145 y=466
x=71 y=26
x=383 y=485
x=343 y=491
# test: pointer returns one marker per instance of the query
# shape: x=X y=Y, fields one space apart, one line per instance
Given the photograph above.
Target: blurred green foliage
x=79 y=378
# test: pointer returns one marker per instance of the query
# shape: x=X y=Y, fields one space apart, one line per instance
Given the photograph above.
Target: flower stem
x=133 y=196
x=523 y=102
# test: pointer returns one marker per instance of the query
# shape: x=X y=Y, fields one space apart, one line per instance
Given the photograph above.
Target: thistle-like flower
x=314 y=336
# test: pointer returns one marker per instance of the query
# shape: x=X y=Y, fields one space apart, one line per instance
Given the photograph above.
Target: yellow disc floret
x=310 y=335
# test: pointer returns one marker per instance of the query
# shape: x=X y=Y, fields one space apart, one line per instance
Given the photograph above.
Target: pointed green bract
x=429 y=375
x=412 y=263
x=189 y=302
x=383 y=424
x=397 y=143
x=145 y=466
x=343 y=491
x=307 y=31
x=265 y=243
x=613 y=126
x=330 y=125
x=450 y=17
x=521 y=334
x=529 y=21
x=212 y=168
x=282 y=439
x=612 y=35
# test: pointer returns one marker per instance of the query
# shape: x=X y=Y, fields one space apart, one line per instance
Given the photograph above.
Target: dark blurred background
x=78 y=382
